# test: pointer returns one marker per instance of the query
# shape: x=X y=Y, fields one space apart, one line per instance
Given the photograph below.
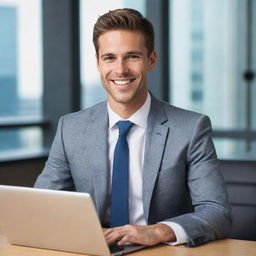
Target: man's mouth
x=122 y=82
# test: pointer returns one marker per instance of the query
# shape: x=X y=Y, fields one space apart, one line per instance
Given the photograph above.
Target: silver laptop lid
x=58 y=220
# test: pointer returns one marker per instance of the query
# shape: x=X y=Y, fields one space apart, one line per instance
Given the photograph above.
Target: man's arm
x=145 y=235
x=211 y=218
x=56 y=173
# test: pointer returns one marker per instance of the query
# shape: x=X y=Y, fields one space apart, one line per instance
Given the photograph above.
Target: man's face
x=123 y=63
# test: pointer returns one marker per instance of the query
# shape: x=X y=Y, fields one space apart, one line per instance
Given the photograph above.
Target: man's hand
x=145 y=235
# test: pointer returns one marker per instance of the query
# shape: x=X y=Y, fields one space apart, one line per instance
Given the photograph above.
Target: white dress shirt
x=136 y=141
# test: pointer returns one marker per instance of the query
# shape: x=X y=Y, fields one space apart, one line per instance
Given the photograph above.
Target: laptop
x=57 y=220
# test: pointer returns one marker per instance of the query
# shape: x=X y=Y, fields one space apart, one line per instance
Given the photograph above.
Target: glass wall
x=92 y=91
x=20 y=71
x=210 y=45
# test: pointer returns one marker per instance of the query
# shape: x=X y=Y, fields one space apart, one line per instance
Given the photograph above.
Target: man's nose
x=121 y=67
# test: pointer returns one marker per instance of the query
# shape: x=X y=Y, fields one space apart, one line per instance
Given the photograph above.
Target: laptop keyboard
x=115 y=248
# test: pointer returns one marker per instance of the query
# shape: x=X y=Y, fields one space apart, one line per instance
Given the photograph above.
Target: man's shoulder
x=181 y=112
x=172 y=111
x=87 y=114
x=177 y=118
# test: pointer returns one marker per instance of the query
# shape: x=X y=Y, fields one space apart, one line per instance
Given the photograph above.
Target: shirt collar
x=139 y=117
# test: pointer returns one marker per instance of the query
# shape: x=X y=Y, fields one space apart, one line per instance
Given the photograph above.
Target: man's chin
x=126 y=98
x=122 y=100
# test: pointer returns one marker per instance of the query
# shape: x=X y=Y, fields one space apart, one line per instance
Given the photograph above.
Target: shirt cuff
x=180 y=233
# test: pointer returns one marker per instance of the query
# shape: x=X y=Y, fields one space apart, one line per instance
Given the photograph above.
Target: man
x=173 y=191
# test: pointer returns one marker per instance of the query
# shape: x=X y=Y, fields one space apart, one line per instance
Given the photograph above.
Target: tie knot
x=124 y=127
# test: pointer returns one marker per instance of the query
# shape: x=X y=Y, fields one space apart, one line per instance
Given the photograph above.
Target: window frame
x=61 y=73
x=61 y=67
x=159 y=79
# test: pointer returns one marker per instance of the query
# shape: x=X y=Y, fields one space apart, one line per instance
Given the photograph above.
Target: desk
x=226 y=247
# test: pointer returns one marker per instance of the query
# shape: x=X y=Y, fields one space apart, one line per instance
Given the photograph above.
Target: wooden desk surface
x=227 y=247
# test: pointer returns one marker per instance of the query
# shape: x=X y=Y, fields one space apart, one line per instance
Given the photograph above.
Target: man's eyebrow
x=135 y=52
x=127 y=53
x=106 y=54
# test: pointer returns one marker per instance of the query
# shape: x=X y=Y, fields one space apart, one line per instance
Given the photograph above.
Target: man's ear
x=152 y=60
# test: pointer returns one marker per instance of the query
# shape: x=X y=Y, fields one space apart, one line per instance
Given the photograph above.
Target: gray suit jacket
x=181 y=178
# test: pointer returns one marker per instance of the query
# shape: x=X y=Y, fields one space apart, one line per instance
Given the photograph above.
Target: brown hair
x=124 y=19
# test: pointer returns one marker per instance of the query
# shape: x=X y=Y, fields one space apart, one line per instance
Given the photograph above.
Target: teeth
x=122 y=82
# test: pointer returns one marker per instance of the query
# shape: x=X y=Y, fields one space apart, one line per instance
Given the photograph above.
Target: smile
x=122 y=82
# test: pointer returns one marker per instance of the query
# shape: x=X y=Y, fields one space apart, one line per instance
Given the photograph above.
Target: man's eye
x=108 y=58
x=133 y=57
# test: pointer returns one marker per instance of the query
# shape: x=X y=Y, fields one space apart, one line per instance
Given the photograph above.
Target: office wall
x=21 y=173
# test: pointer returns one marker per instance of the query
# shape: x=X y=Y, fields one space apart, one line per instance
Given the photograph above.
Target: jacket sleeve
x=211 y=218
x=56 y=173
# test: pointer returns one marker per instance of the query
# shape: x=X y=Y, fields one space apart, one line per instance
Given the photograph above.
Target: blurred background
x=206 y=63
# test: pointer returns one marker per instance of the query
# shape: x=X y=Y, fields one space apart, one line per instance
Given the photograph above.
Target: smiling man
x=123 y=63
x=151 y=168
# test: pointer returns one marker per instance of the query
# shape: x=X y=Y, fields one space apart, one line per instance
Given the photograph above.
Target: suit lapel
x=155 y=143
x=99 y=128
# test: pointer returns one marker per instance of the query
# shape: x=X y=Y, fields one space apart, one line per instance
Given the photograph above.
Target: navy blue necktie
x=119 y=211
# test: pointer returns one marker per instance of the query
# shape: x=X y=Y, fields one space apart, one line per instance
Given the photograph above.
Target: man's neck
x=125 y=110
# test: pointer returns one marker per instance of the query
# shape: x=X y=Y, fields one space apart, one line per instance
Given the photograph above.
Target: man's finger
x=108 y=231
x=124 y=240
x=114 y=236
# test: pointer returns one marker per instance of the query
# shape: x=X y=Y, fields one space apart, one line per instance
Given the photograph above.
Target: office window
x=92 y=91
x=212 y=52
x=20 y=73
